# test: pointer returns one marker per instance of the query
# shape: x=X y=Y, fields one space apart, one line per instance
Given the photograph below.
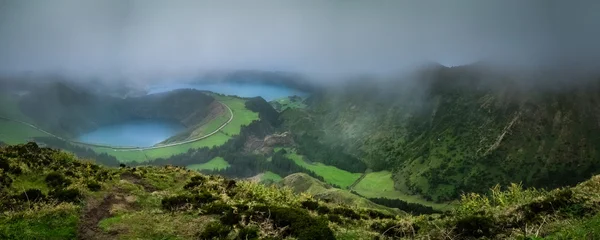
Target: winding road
x=121 y=148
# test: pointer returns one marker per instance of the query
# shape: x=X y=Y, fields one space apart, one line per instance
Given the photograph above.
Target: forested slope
x=451 y=130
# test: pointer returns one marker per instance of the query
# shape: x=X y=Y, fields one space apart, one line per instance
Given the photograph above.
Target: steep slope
x=462 y=129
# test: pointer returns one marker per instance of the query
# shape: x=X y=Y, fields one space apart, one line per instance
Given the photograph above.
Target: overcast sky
x=147 y=37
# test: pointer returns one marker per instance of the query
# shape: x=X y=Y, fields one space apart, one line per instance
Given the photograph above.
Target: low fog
x=139 y=38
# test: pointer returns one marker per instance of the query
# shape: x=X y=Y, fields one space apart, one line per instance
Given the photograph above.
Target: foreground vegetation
x=51 y=195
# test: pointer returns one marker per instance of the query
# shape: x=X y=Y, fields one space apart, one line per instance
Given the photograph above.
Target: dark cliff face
x=68 y=111
x=463 y=129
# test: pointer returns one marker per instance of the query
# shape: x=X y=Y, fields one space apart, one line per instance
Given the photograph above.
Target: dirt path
x=137 y=180
x=94 y=213
x=96 y=210
x=116 y=148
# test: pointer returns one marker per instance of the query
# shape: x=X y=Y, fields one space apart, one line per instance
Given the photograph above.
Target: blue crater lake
x=267 y=91
x=135 y=133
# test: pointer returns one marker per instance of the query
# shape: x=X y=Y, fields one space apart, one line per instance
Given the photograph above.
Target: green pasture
x=217 y=163
x=331 y=174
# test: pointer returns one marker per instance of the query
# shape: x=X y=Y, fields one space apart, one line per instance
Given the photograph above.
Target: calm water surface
x=146 y=133
x=138 y=133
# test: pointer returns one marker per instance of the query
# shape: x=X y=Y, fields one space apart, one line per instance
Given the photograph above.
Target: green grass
x=241 y=115
x=9 y=108
x=55 y=223
x=215 y=123
x=154 y=225
x=331 y=174
x=381 y=184
x=145 y=155
x=268 y=175
x=13 y=132
x=204 y=128
x=217 y=163
x=585 y=229
x=30 y=181
x=215 y=140
x=122 y=156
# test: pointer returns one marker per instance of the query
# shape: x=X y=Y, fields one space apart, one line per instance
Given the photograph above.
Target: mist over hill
x=142 y=40
x=462 y=129
x=426 y=119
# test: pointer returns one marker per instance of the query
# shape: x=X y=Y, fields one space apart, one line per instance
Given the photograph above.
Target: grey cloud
x=149 y=37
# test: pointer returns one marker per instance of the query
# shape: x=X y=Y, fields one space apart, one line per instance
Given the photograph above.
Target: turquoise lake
x=267 y=91
x=146 y=133
x=135 y=133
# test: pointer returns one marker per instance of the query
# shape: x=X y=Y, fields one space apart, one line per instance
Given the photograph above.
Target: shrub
x=298 y=221
x=175 y=202
x=204 y=197
x=395 y=229
x=476 y=226
x=102 y=176
x=57 y=180
x=310 y=205
x=94 y=186
x=377 y=214
x=70 y=173
x=242 y=207
x=322 y=209
x=194 y=182
x=4 y=165
x=215 y=230
x=230 y=218
x=66 y=195
x=248 y=233
x=216 y=208
x=5 y=181
x=231 y=184
x=198 y=179
x=346 y=212
x=32 y=195
x=335 y=218
x=179 y=201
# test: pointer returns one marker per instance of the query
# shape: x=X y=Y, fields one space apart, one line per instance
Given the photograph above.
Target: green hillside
x=462 y=129
x=303 y=183
x=48 y=194
x=214 y=164
x=331 y=174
